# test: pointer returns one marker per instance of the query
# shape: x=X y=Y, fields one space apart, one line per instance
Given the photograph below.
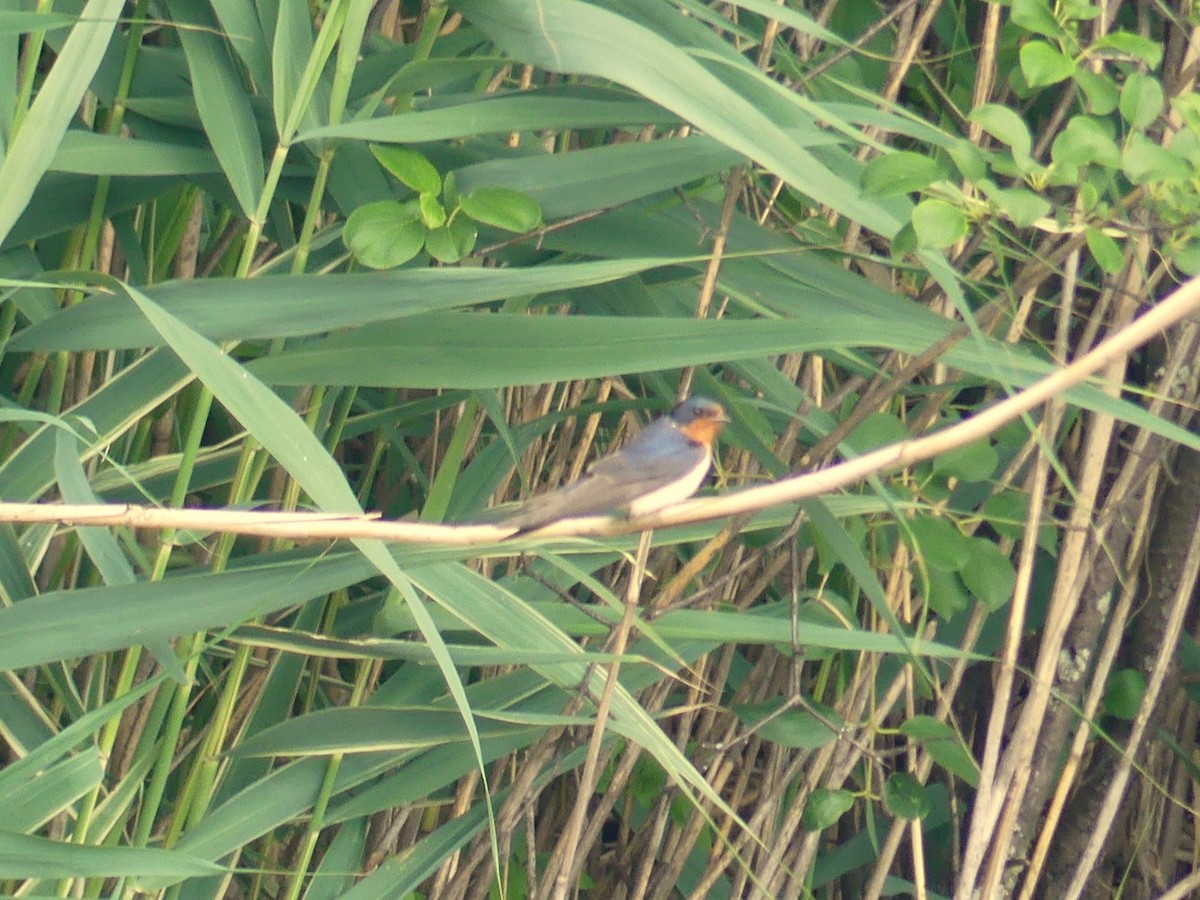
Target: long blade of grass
x=43 y=127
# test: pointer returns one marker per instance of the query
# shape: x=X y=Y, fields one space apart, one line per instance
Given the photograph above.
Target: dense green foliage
x=425 y=258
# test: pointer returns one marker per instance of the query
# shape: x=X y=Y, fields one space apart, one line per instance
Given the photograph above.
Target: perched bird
x=666 y=462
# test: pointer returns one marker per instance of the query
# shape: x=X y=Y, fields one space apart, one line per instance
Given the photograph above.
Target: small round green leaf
x=944 y=745
x=1100 y=91
x=1187 y=108
x=904 y=241
x=938 y=223
x=790 y=728
x=502 y=208
x=967 y=159
x=899 y=172
x=410 y=167
x=1043 y=65
x=1086 y=139
x=1145 y=161
x=905 y=797
x=1186 y=256
x=450 y=192
x=1124 y=693
x=1125 y=43
x=972 y=462
x=384 y=234
x=1036 y=16
x=989 y=574
x=939 y=543
x=1141 y=100
x=1006 y=513
x=1005 y=126
x=432 y=212
x=1020 y=206
x=1105 y=250
x=452 y=242
x=877 y=430
x=947 y=596
x=825 y=807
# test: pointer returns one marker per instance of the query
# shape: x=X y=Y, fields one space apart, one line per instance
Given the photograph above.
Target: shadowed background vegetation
x=426 y=258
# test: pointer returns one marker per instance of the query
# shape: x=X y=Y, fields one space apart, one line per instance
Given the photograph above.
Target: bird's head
x=699 y=419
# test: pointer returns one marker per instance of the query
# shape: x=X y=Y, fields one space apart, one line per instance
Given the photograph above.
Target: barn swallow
x=666 y=462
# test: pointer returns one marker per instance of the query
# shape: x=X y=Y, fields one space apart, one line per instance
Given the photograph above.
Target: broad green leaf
x=791 y=728
x=1022 y=207
x=1005 y=126
x=989 y=574
x=1187 y=108
x=1099 y=90
x=1144 y=161
x=1123 y=694
x=366 y=729
x=31 y=805
x=1006 y=513
x=973 y=462
x=87 y=153
x=1036 y=16
x=566 y=184
x=441 y=350
x=1106 y=251
x=410 y=167
x=900 y=172
x=1086 y=139
x=1141 y=100
x=877 y=430
x=223 y=103
x=1129 y=44
x=824 y=808
x=14 y=21
x=503 y=113
x=337 y=873
x=452 y=242
x=905 y=797
x=384 y=235
x=401 y=875
x=938 y=224
x=1187 y=256
x=938 y=542
x=292 y=305
x=292 y=52
x=502 y=208
x=947 y=597
x=1044 y=65
x=30 y=152
x=725 y=97
x=283 y=434
x=26 y=856
x=127 y=398
x=70 y=624
x=944 y=745
x=433 y=215
x=968 y=159
x=241 y=23
x=473 y=350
